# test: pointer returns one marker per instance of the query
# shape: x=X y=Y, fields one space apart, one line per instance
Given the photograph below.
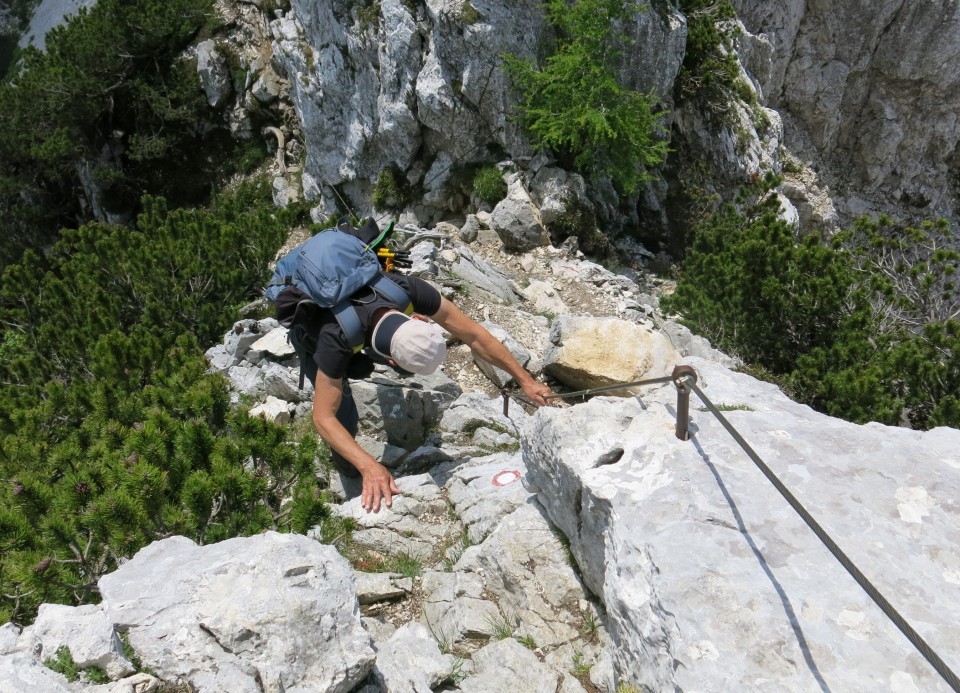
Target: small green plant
x=730 y=407
x=565 y=543
x=580 y=667
x=549 y=315
x=445 y=643
x=96 y=675
x=710 y=68
x=369 y=16
x=62 y=663
x=406 y=564
x=469 y=14
x=391 y=191
x=590 y=625
x=627 y=688
x=791 y=165
x=475 y=426
x=500 y=626
x=528 y=642
x=337 y=530
x=129 y=652
x=453 y=553
x=489 y=186
x=457 y=674
x=386 y=191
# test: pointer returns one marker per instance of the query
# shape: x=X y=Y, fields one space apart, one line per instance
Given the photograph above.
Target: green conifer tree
x=574 y=104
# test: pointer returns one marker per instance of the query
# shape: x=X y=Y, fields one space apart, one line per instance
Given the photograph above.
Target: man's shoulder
x=405 y=280
x=424 y=295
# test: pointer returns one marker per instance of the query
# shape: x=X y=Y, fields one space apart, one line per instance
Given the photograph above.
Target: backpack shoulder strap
x=389 y=289
x=349 y=321
x=303 y=344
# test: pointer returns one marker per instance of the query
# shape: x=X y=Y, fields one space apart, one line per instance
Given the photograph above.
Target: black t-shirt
x=333 y=353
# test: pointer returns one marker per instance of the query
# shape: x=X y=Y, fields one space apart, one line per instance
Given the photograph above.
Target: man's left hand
x=377 y=483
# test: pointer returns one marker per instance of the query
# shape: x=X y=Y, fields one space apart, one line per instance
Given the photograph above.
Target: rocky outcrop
x=399 y=83
x=517 y=220
x=862 y=94
x=214 y=75
x=272 y=612
x=872 y=88
x=711 y=581
x=420 y=86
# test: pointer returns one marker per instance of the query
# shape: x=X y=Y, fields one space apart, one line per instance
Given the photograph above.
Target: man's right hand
x=378 y=484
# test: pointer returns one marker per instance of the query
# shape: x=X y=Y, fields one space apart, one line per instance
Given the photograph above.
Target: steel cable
x=918 y=642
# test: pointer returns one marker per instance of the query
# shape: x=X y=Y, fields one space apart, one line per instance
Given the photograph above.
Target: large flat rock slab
x=712 y=581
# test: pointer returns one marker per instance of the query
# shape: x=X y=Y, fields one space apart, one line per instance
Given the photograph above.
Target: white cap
x=415 y=345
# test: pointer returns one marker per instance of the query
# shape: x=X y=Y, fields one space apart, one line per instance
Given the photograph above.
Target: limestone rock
x=470 y=229
x=401 y=530
x=273 y=409
x=544 y=298
x=404 y=410
x=379 y=587
x=506 y=666
x=486 y=490
x=474 y=409
x=698 y=559
x=525 y=566
x=499 y=377
x=423 y=257
x=555 y=191
x=591 y=352
x=214 y=75
x=23 y=673
x=86 y=631
x=455 y=609
x=688 y=344
x=482 y=275
x=411 y=662
x=873 y=86
x=264 y=611
x=268 y=86
x=274 y=344
x=517 y=220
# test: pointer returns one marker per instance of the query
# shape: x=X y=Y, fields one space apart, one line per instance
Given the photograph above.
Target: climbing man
x=409 y=342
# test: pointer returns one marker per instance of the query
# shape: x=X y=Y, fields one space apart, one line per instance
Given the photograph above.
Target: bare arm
x=488 y=347
x=377 y=481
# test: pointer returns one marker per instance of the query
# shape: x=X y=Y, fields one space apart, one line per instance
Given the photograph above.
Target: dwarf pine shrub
x=112 y=433
x=863 y=328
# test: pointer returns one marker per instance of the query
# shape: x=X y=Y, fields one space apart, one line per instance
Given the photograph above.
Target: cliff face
x=412 y=85
x=872 y=89
x=868 y=93
x=420 y=85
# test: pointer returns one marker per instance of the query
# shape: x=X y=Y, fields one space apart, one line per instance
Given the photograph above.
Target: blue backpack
x=328 y=270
